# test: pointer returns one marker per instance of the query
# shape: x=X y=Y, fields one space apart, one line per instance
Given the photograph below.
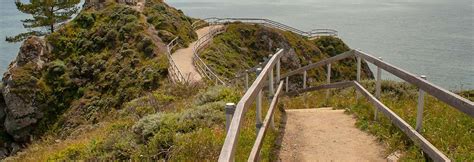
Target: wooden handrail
x=426 y=146
x=431 y=150
x=255 y=153
x=199 y=63
x=175 y=73
x=230 y=143
x=342 y=84
x=208 y=72
x=228 y=149
x=277 y=25
x=456 y=101
x=319 y=64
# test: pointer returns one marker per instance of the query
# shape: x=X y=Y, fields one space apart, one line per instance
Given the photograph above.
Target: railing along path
x=174 y=72
x=218 y=26
x=254 y=93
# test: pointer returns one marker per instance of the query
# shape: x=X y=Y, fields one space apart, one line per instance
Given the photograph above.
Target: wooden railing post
x=258 y=103
x=229 y=113
x=305 y=74
x=271 y=92
x=246 y=79
x=378 y=88
x=328 y=81
x=278 y=70
x=419 y=112
x=358 y=75
x=270 y=81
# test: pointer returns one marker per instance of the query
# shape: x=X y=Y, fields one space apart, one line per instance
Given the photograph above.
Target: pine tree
x=46 y=14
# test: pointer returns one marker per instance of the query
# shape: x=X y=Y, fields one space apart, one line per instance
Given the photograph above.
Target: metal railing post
x=246 y=79
x=286 y=84
x=229 y=114
x=258 y=103
x=419 y=112
x=304 y=79
x=328 y=81
x=378 y=88
x=358 y=75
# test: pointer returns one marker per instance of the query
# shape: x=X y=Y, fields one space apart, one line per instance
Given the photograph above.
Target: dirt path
x=184 y=58
x=326 y=135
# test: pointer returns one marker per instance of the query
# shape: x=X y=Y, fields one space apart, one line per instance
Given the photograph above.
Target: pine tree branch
x=23 y=36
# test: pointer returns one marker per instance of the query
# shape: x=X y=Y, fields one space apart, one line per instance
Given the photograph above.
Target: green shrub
x=203 y=144
x=85 y=20
x=148 y=125
x=217 y=93
x=146 y=46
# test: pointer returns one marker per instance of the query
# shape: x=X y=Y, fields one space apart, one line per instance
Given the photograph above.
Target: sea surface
x=426 y=37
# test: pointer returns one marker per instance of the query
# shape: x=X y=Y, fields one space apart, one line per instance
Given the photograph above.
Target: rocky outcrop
x=272 y=40
x=19 y=109
x=3 y=107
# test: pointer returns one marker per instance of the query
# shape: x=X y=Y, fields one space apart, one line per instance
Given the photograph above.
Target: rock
x=3 y=107
x=15 y=148
x=3 y=153
x=20 y=109
x=32 y=50
x=395 y=156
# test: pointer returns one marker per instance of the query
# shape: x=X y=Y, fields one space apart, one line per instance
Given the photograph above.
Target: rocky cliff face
x=19 y=105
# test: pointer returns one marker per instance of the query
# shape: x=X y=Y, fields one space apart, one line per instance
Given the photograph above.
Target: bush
x=217 y=93
x=85 y=20
x=56 y=69
x=146 y=46
x=203 y=144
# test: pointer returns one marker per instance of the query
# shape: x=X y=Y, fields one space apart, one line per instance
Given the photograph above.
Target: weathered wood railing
x=174 y=72
x=454 y=100
x=252 y=94
x=200 y=65
x=268 y=23
x=215 y=29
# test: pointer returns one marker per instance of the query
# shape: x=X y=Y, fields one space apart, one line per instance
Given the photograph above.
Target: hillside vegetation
x=75 y=77
x=243 y=46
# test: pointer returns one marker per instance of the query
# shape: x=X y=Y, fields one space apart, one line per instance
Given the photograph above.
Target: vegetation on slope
x=102 y=59
x=444 y=126
x=169 y=22
x=104 y=95
x=96 y=63
x=244 y=46
x=170 y=123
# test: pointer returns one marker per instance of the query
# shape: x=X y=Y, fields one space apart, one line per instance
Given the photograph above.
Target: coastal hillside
x=244 y=46
x=98 y=87
x=138 y=80
x=70 y=80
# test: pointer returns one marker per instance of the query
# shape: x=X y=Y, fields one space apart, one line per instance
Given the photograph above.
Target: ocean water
x=10 y=25
x=426 y=37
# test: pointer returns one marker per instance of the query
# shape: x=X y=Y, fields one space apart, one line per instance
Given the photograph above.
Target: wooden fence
x=456 y=101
